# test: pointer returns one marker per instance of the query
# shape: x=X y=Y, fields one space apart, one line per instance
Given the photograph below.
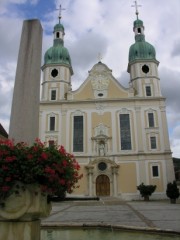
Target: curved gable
x=100 y=84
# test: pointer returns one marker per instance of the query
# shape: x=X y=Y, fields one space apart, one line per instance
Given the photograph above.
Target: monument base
x=21 y=212
x=18 y=230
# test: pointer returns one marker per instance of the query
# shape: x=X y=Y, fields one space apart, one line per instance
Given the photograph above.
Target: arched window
x=78 y=134
x=139 y=30
x=125 y=132
x=57 y=35
x=52 y=123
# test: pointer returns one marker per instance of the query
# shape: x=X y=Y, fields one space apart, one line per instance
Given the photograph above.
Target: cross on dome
x=60 y=11
x=136 y=7
x=99 y=57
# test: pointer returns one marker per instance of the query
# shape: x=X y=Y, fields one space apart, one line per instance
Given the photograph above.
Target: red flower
x=29 y=156
x=10 y=159
x=8 y=179
x=53 y=169
x=64 y=163
x=44 y=156
x=5 y=188
x=62 y=150
x=8 y=143
x=35 y=148
x=49 y=170
x=62 y=181
x=76 y=165
x=4 y=167
x=38 y=141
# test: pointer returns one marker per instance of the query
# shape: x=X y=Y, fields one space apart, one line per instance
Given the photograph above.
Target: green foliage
x=146 y=190
x=52 y=168
x=172 y=190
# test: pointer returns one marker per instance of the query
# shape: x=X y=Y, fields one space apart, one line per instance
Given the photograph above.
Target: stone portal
x=102 y=185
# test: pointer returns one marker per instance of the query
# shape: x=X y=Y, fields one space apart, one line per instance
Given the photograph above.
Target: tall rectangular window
x=155 y=171
x=153 y=142
x=151 y=119
x=125 y=132
x=52 y=123
x=148 y=91
x=53 y=94
x=78 y=134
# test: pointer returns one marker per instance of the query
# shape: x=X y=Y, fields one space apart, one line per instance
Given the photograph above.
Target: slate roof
x=3 y=132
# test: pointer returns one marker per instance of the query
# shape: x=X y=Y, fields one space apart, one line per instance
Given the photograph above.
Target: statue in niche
x=101 y=148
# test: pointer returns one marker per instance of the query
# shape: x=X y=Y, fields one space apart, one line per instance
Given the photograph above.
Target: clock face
x=54 y=73
x=145 y=69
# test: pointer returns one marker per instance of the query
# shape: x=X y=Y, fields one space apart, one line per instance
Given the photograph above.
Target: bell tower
x=143 y=66
x=57 y=68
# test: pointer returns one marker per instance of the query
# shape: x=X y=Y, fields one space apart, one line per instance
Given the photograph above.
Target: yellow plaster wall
x=158 y=181
x=98 y=118
x=127 y=179
x=85 y=92
x=104 y=118
x=83 y=183
x=114 y=91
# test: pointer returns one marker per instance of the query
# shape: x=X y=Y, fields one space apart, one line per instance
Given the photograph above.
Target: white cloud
x=175 y=143
x=176 y=48
x=176 y=132
x=7 y=73
x=34 y=2
x=10 y=38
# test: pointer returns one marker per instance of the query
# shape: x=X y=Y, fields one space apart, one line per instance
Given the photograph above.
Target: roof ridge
x=3 y=131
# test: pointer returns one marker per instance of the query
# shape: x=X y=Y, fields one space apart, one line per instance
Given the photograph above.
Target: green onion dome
x=58 y=27
x=58 y=54
x=141 y=50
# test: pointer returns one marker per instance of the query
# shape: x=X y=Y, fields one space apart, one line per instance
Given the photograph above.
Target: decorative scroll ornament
x=100 y=82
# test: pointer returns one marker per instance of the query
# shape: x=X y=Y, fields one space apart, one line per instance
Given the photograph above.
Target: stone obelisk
x=24 y=122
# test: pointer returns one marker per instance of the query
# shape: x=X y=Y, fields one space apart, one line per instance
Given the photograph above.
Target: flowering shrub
x=52 y=168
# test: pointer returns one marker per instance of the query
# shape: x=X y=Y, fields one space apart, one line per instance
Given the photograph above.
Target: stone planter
x=20 y=213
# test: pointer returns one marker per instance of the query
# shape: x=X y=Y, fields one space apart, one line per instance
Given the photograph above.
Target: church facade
x=118 y=135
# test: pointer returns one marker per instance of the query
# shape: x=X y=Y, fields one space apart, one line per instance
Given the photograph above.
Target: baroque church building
x=118 y=135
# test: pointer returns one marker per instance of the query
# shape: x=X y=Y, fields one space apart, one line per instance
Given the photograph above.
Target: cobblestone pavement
x=152 y=215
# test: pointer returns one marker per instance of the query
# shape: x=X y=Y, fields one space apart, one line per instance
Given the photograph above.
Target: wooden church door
x=102 y=185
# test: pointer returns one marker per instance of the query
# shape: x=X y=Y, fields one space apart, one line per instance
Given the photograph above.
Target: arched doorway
x=102 y=185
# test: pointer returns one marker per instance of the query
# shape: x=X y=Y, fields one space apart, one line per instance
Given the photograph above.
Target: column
x=138 y=127
x=90 y=173
x=24 y=122
x=114 y=172
x=165 y=129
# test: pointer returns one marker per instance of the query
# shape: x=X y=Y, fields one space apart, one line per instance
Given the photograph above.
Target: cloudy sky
x=93 y=27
